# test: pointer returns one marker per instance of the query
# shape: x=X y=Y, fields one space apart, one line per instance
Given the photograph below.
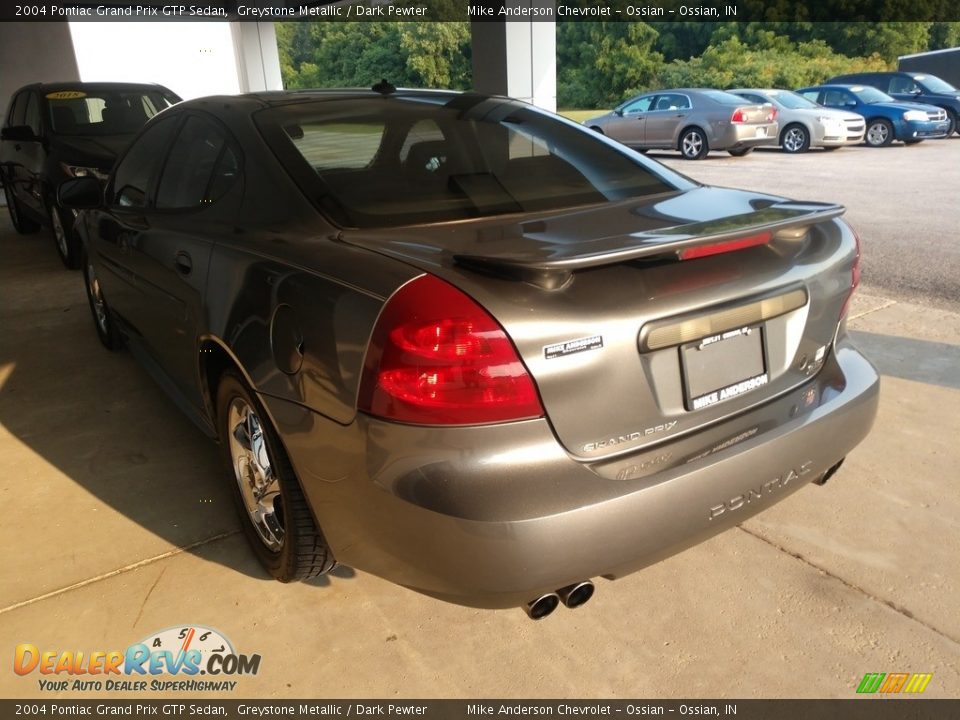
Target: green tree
x=944 y=35
x=600 y=63
x=773 y=62
x=329 y=54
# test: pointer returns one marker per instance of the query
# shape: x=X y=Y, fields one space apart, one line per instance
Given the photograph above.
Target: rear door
x=171 y=257
x=664 y=119
x=125 y=220
x=25 y=158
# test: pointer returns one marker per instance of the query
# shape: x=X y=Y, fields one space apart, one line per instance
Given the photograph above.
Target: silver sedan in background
x=805 y=124
x=693 y=121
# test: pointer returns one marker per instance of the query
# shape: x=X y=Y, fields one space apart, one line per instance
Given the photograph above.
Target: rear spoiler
x=786 y=219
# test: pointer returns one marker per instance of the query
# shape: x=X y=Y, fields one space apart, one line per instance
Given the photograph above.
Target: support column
x=517 y=57
x=258 y=61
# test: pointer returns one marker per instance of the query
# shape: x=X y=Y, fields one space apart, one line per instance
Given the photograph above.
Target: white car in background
x=805 y=124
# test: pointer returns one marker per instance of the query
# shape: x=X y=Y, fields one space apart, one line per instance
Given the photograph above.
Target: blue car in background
x=887 y=119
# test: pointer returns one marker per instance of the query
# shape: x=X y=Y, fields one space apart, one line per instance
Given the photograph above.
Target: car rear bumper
x=495 y=516
x=737 y=135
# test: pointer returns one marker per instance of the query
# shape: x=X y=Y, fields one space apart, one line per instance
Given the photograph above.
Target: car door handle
x=183 y=263
x=681 y=115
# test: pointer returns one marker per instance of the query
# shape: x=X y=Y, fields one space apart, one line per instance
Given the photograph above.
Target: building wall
x=21 y=64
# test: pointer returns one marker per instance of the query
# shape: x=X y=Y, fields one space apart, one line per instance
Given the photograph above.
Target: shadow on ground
x=925 y=361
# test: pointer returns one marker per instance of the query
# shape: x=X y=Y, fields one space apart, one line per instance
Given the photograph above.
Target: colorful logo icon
x=914 y=683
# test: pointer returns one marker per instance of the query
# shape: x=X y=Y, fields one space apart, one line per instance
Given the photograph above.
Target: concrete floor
x=119 y=525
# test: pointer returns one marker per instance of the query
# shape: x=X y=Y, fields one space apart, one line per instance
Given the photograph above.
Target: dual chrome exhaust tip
x=572 y=596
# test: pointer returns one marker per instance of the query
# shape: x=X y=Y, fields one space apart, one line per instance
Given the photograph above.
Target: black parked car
x=56 y=131
x=912 y=87
x=467 y=345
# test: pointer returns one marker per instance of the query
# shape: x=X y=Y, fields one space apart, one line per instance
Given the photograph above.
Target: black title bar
x=899 y=708
x=487 y=10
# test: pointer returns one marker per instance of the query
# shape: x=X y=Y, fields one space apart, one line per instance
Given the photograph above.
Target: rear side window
x=133 y=176
x=338 y=144
x=673 y=102
x=31 y=117
x=17 y=109
x=900 y=84
x=200 y=168
x=837 y=98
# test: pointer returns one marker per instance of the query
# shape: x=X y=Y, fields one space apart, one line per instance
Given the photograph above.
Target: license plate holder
x=723 y=366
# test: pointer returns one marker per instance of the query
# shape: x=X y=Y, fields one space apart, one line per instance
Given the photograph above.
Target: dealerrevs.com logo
x=181 y=653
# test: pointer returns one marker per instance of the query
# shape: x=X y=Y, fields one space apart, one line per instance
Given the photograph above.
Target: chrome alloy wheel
x=58 y=232
x=794 y=139
x=258 y=484
x=692 y=144
x=96 y=298
x=877 y=134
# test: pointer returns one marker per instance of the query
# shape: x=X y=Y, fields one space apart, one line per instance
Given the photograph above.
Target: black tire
x=879 y=133
x=741 y=152
x=103 y=320
x=693 y=144
x=300 y=551
x=64 y=238
x=21 y=223
x=954 y=125
x=795 y=139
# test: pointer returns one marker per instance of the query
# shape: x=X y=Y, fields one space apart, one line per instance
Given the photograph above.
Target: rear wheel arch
x=214 y=359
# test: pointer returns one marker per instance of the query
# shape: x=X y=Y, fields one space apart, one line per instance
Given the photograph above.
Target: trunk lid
x=627 y=344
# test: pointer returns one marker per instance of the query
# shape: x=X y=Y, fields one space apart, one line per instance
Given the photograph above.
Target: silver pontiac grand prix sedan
x=467 y=345
x=693 y=121
x=805 y=124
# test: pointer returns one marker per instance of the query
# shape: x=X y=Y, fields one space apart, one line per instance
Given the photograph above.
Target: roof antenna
x=384 y=88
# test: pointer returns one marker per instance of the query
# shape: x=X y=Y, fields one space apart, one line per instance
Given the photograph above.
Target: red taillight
x=724 y=247
x=437 y=358
x=739 y=116
x=854 y=274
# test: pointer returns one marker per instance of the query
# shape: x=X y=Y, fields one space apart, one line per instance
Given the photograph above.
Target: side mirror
x=18 y=133
x=82 y=193
x=916 y=91
x=618 y=112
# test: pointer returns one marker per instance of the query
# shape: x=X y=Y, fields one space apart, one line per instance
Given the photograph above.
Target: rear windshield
x=114 y=112
x=724 y=98
x=381 y=162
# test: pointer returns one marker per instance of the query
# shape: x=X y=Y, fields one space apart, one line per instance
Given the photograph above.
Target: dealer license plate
x=722 y=367
x=761 y=132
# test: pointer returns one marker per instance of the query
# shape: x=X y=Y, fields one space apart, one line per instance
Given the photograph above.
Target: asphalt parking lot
x=119 y=525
